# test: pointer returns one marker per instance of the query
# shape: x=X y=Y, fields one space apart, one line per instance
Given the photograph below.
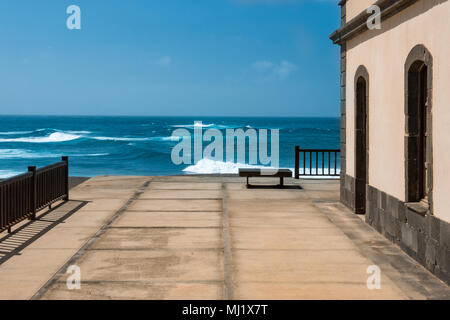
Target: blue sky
x=171 y=57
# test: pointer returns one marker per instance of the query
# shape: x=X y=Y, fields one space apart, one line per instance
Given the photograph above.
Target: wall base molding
x=423 y=237
x=348 y=194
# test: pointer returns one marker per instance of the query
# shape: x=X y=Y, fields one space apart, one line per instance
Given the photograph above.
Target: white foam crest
x=195 y=125
x=28 y=154
x=171 y=138
x=90 y=155
x=127 y=139
x=74 y=131
x=22 y=154
x=208 y=166
x=54 y=137
x=4 y=174
x=119 y=139
x=7 y=133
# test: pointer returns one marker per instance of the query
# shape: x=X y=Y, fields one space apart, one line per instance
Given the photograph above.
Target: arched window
x=361 y=138
x=418 y=138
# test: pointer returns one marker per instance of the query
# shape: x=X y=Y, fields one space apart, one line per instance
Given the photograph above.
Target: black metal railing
x=317 y=162
x=22 y=196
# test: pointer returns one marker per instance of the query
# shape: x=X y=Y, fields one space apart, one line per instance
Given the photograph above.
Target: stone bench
x=266 y=173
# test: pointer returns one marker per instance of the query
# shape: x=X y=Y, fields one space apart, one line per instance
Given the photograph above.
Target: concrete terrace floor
x=208 y=237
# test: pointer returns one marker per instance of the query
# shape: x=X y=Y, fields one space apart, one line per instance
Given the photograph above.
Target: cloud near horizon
x=283 y=69
x=164 y=61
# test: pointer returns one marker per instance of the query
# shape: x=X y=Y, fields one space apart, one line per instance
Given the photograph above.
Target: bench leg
x=281 y=181
x=247 y=183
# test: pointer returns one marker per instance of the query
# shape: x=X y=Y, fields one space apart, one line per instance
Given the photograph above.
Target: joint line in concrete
x=54 y=279
x=228 y=264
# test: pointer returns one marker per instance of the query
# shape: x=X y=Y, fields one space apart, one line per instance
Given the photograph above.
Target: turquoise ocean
x=98 y=145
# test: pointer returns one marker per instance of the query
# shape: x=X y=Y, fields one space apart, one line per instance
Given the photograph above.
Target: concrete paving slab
x=263 y=205
x=291 y=261
x=18 y=289
x=35 y=265
x=237 y=212
x=289 y=239
x=176 y=205
x=151 y=265
x=181 y=194
x=313 y=291
x=88 y=195
x=289 y=243
x=103 y=204
x=280 y=195
x=154 y=238
x=323 y=195
x=169 y=219
x=185 y=186
x=138 y=291
x=307 y=272
x=87 y=219
x=280 y=222
x=70 y=238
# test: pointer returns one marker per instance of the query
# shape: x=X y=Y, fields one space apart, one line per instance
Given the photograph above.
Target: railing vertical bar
x=335 y=163
x=304 y=163
x=323 y=163
x=317 y=163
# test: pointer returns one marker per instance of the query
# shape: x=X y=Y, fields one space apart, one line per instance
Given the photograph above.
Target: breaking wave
x=129 y=139
x=195 y=125
x=28 y=154
x=53 y=137
x=208 y=166
x=4 y=174
x=12 y=133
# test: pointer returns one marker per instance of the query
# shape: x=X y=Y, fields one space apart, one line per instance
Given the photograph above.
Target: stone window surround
x=418 y=53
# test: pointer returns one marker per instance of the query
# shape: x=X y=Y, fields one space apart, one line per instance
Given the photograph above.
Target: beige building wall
x=355 y=7
x=384 y=52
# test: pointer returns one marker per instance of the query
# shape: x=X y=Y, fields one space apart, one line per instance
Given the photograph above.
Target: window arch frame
x=360 y=184
x=419 y=56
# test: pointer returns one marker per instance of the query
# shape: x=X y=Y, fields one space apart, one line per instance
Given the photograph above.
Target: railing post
x=33 y=194
x=66 y=177
x=297 y=162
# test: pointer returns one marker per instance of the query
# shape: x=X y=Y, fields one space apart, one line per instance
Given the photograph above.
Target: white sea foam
x=28 y=154
x=119 y=139
x=171 y=138
x=4 y=174
x=75 y=132
x=54 y=137
x=195 y=125
x=7 y=133
x=129 y=139
x=90 y=155
x=208 y=166
x=22 y=154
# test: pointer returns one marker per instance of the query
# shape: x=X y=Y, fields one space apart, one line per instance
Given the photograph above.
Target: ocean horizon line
x=171 y=116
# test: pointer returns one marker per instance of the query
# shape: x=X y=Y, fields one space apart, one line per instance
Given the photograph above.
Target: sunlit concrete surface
x=206 y=237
